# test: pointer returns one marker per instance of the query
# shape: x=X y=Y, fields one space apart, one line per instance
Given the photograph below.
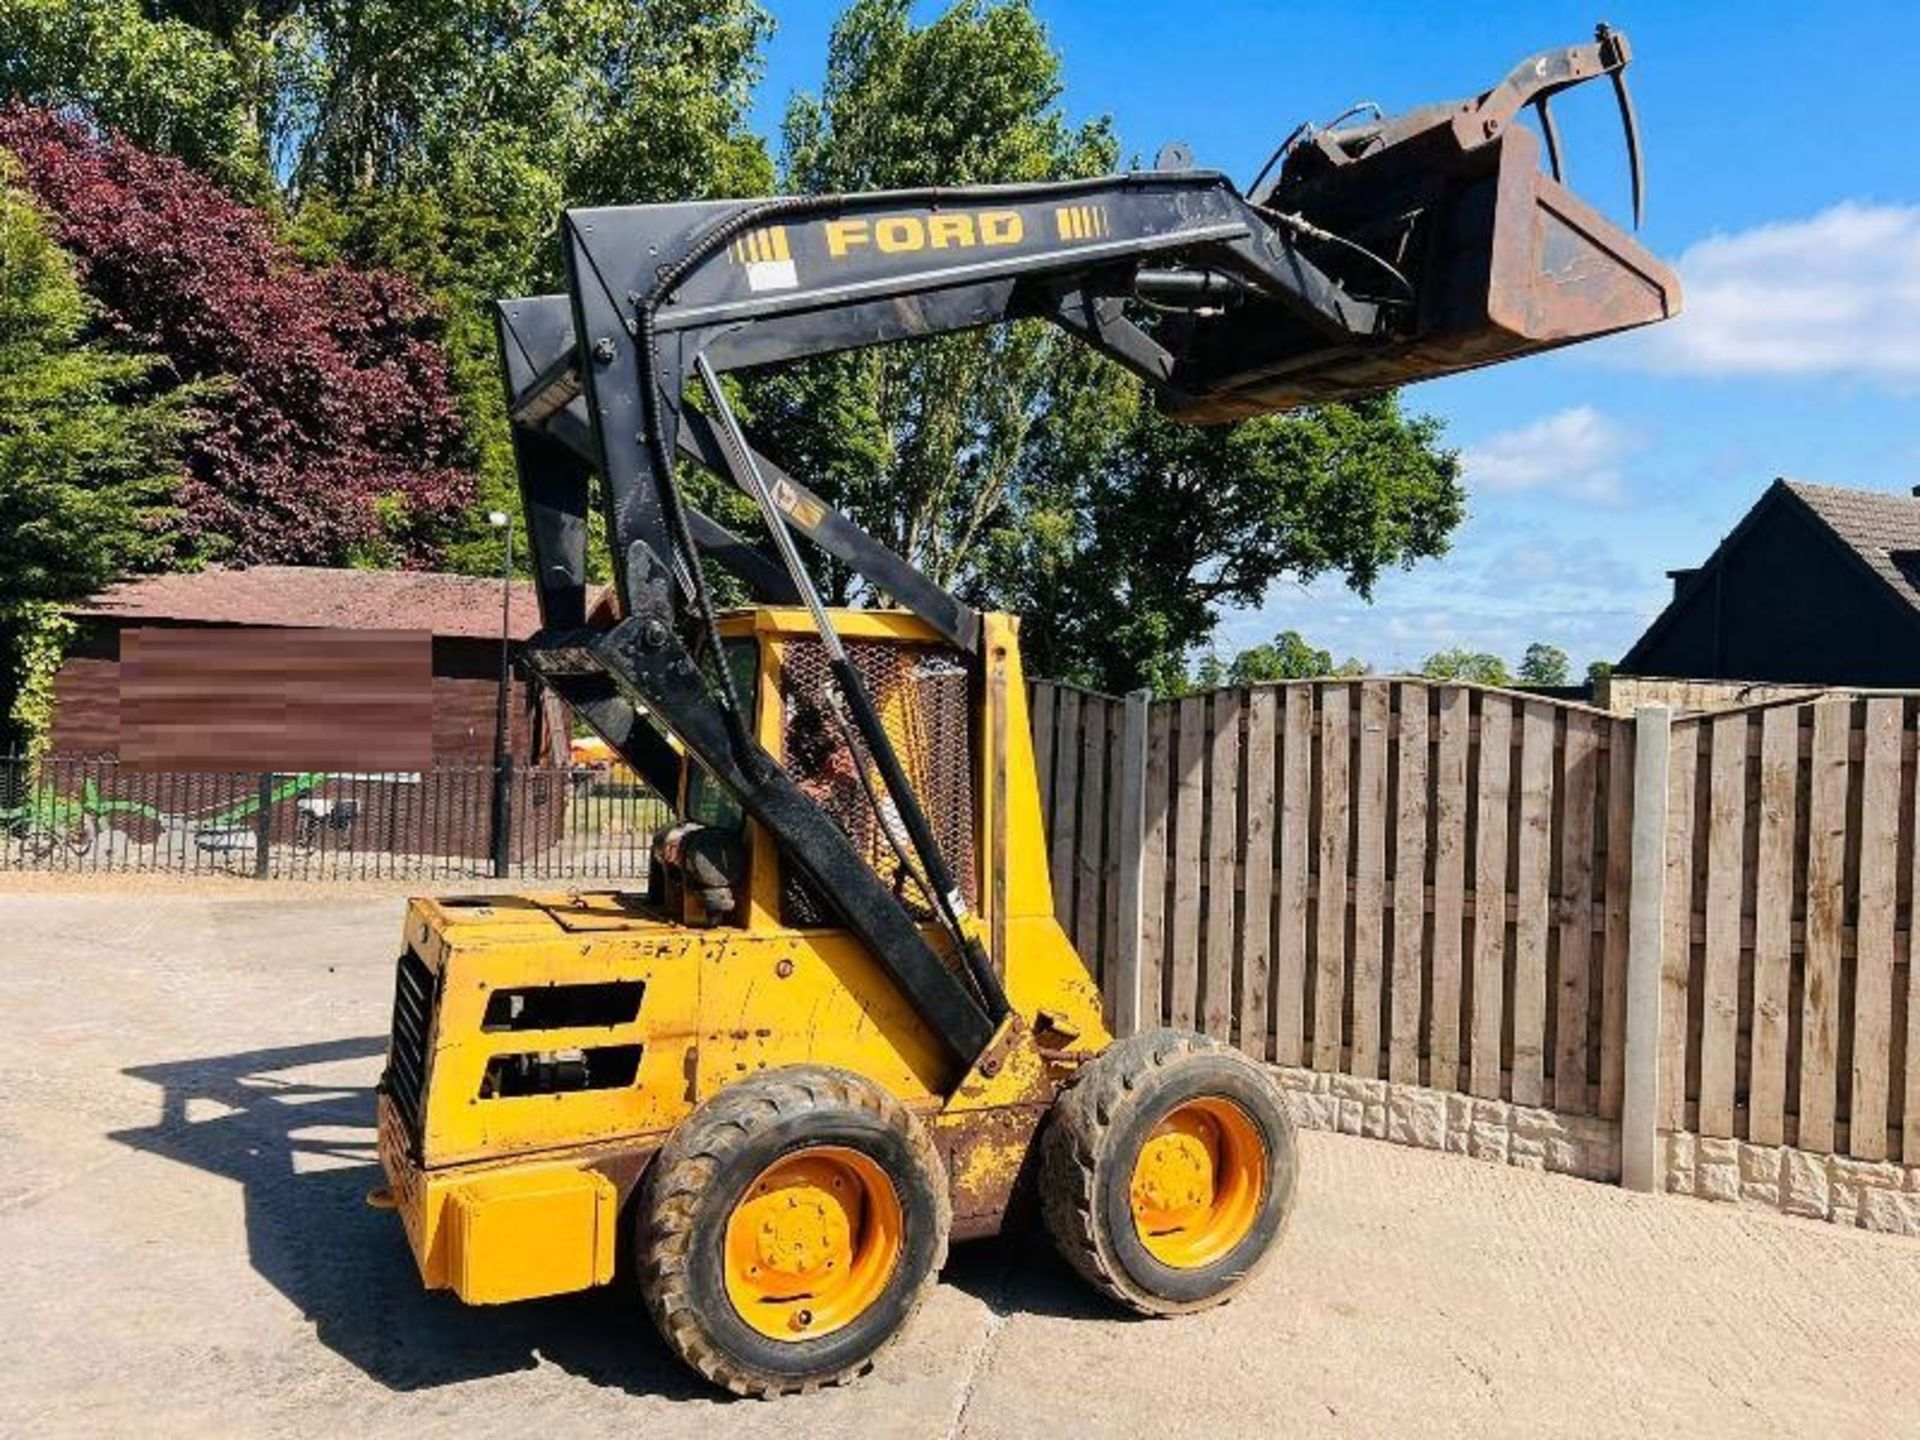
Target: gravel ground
x=185 y=1141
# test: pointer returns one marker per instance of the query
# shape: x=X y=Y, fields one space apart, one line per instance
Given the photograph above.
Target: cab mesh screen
x=920 y=693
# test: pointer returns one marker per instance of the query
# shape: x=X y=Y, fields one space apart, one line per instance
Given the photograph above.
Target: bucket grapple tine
x=1631 y=124
x=1550 y=132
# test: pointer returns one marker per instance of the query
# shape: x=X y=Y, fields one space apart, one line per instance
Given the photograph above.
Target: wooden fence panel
x=1255 y=960
x=1826 y=923
x=1451 y=807
x=1065 y=802
x=1910 y=1133
x=1773 y=924
x=1291 y=936
x=1330 y=942
x=1720 y=975
x=1113 y=847
x=1490 y=894
x=1223 y=862
x=1183 y=958
x=1534 y=862
x=1090 y=840
x=1409 y=884
x=1873 y=930
x=1432 y=883
x=1618 y=888
x=1042 y=698
x=1580 y=765
x=1676 y=953
x=1369 y=876
x=1155 y=938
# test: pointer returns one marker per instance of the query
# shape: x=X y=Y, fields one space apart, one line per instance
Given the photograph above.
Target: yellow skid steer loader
x=841 y=1026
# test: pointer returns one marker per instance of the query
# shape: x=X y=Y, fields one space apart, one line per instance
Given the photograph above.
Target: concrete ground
x=185 y=1139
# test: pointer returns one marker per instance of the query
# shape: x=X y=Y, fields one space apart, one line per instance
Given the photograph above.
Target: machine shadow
x=1020 y=1273
x=300 y=1143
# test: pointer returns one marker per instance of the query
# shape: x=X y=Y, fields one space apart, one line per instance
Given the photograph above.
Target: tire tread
x=695 y=1154
x=1078 y=1133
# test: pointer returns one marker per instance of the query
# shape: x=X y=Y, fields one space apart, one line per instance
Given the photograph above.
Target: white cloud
x=1838 y=294
x=1553 y=565
x=1560 y=579
x=1575 y=453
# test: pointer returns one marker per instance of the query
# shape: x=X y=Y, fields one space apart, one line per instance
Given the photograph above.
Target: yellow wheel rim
x=1198 y=1183
x=812 y=1243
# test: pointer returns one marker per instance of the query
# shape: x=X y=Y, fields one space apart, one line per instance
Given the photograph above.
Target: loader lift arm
x=1378 y=255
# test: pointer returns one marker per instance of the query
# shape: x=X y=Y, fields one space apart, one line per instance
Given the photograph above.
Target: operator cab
x=717 y=867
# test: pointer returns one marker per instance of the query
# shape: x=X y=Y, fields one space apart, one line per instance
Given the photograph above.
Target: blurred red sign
x=276 y=699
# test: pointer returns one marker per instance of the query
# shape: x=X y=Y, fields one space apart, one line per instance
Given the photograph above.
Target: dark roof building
x=367 y=702
x=311 y=597
x=460 y=613
x=1816 y=585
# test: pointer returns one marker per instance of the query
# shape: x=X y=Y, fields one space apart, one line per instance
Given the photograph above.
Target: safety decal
x=1081 y=222
x=767 y=258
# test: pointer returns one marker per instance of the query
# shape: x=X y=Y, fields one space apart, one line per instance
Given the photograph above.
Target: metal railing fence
x=97 y=815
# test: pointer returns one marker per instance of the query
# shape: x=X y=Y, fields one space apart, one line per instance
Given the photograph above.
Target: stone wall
x=1622 y=694
x=1872 y=1195
x=1857 y=1193
x=1495 y=1130
x=1866 y=1194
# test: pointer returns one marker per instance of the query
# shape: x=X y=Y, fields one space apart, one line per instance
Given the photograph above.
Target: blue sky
x=1783 y=161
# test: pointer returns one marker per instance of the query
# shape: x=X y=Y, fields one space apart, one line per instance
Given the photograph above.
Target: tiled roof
x=1879 y=529
x=1881 y=526
x=313 y=597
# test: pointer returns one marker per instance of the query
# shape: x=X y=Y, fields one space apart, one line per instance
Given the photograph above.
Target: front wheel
x=1168 y=1171
x=790 y=1228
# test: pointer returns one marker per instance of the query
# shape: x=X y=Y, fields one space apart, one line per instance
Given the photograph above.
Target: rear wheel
x=790 y=1228
x=1168 y=1171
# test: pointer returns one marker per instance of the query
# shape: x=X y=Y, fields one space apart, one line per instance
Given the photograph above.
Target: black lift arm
x=1377 y=254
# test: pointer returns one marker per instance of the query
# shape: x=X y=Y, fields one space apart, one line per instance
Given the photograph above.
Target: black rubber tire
x=706 y=1166
x=1094 y=1135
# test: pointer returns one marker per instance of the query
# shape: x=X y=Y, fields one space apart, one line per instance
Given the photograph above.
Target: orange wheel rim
x=812 y=1243
x=1198 y=1183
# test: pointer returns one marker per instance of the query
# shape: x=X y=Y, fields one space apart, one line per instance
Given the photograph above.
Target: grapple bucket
x=1475 y=251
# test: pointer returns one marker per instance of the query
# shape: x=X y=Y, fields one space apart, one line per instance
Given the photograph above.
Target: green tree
x=1019 y=466
x=443 y=136
x=1598 y=673
x=923 y=443
x=1288 y=656
x=89 y=461
x=166 y=84
x=1210 y=674
x=438 y=137
x=1475 y=666
x=505 y=114
x=1137 y=531
x=1545 y=664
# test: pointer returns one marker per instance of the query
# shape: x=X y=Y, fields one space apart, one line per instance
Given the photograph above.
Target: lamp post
x=500 y=840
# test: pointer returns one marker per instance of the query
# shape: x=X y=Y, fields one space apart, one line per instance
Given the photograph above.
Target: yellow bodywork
x=507 y=1197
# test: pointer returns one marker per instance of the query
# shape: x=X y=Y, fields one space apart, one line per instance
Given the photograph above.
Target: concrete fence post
x=1640 y=1167
x=1132 y=800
